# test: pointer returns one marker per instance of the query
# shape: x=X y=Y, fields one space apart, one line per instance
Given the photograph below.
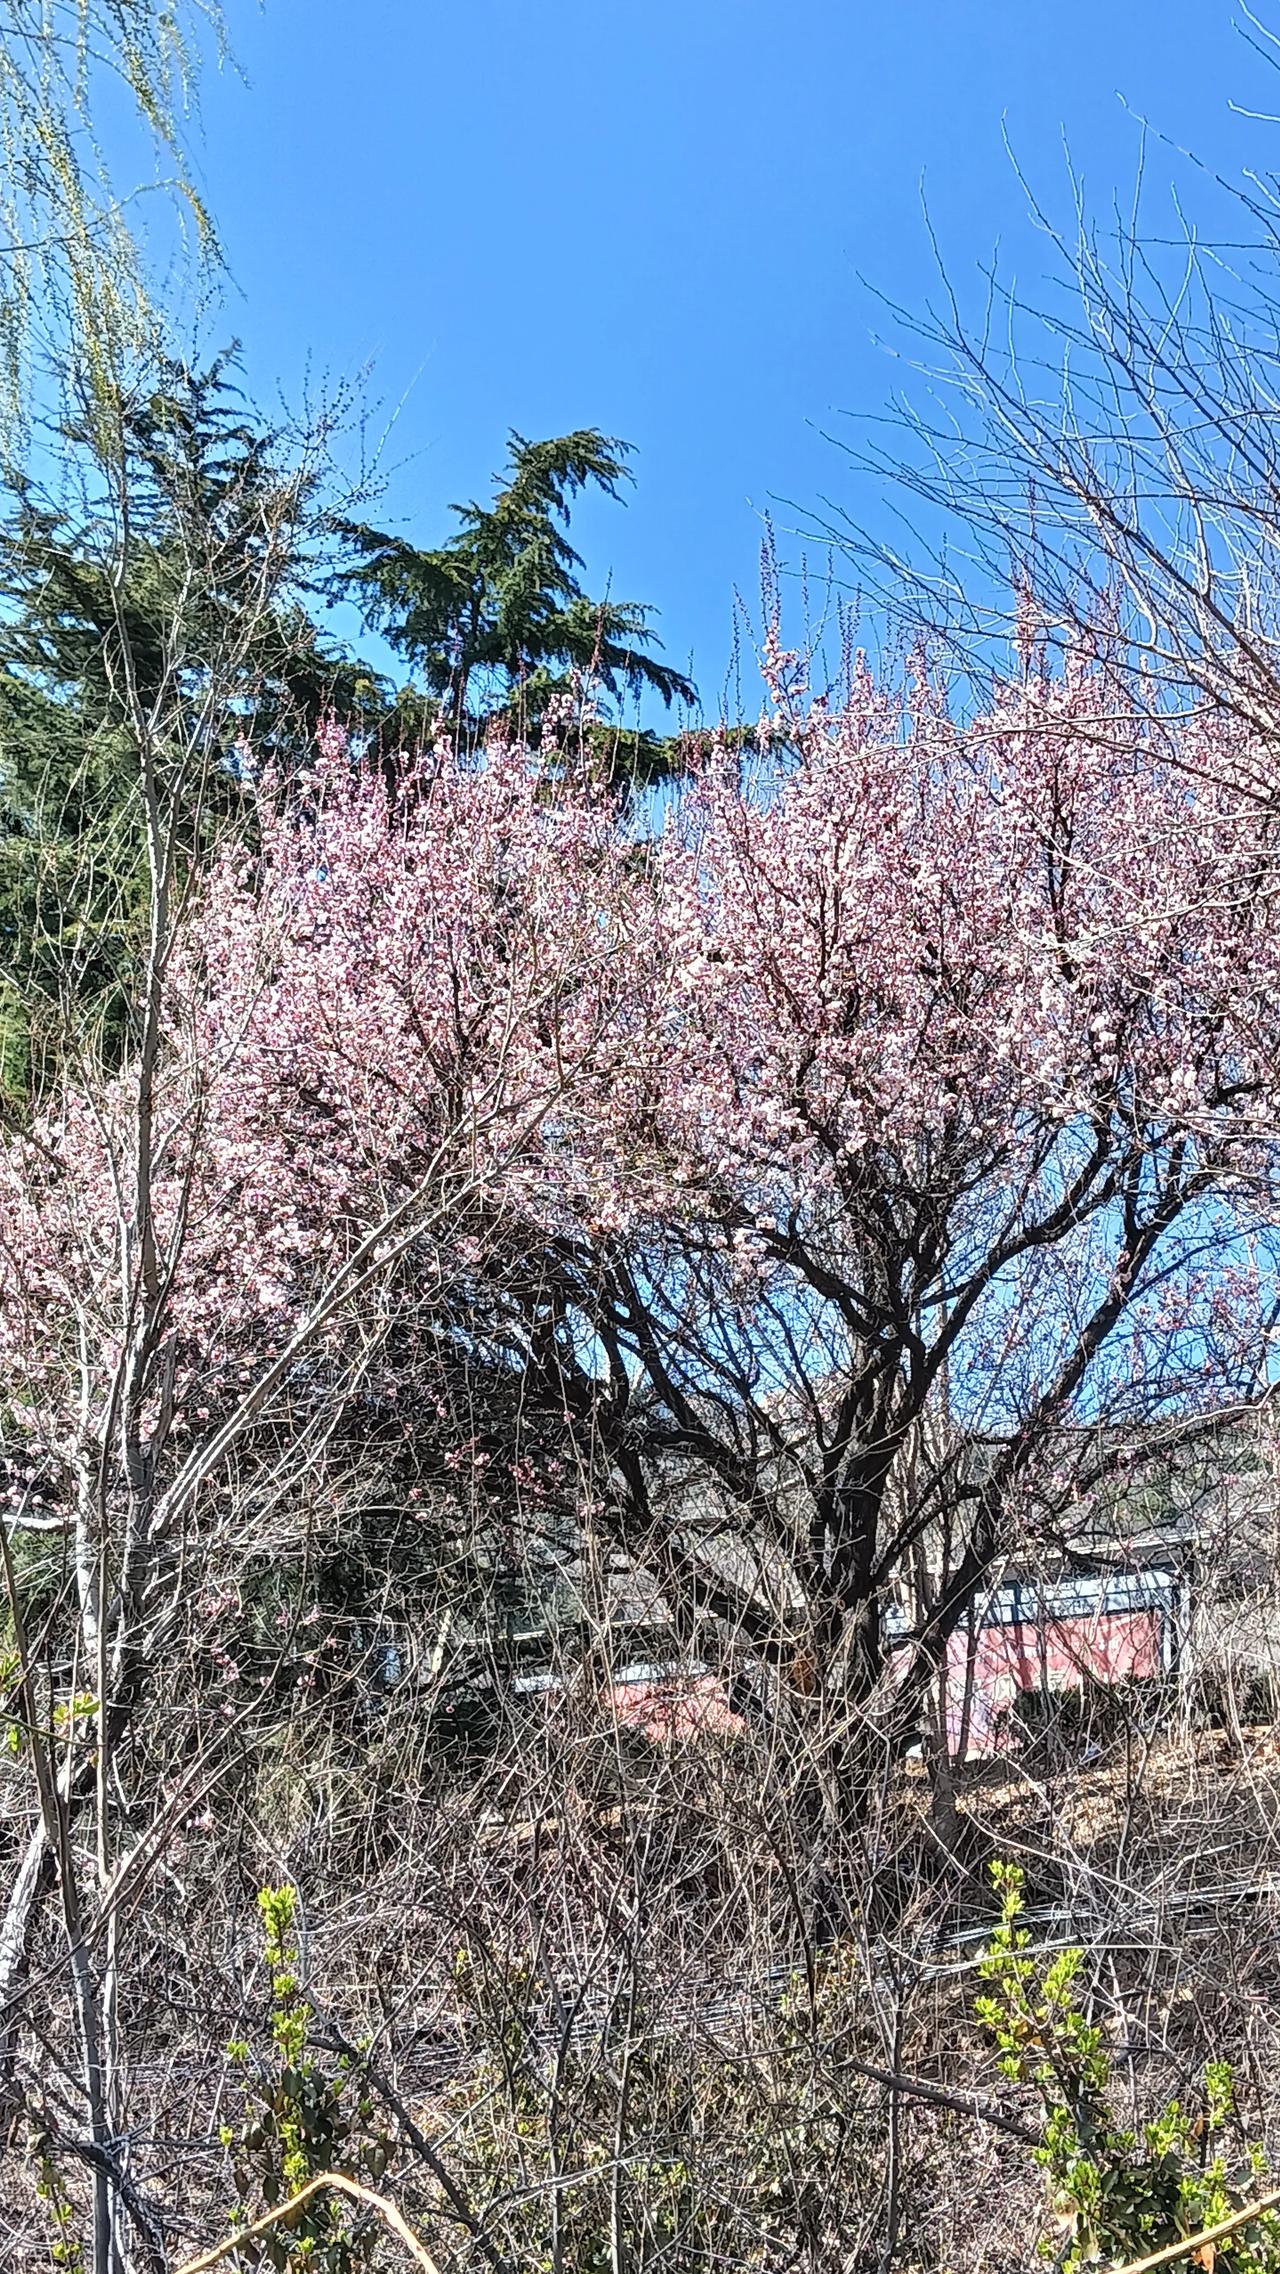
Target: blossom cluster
x=895 y=963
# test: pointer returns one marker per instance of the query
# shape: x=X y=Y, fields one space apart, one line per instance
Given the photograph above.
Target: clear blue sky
x=663 y=219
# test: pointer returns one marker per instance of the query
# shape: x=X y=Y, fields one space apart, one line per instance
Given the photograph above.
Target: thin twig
x=969 y=2104
x=384 y=2210
x=1186 y=2243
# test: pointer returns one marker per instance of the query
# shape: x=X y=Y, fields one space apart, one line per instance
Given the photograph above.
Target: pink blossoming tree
x=222 y=1272
x=958 y=1108
x=835 y=1188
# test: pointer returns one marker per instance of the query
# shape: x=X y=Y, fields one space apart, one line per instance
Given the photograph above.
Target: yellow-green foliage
x=301 y=2120
x=1120 y=2192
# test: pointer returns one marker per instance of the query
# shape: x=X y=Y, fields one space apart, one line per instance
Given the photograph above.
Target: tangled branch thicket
x=536 y=1342
x=520 y=1375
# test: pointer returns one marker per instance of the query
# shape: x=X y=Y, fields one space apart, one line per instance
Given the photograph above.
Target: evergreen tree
x=496 y=622
x=163 y=593
x=172 y=589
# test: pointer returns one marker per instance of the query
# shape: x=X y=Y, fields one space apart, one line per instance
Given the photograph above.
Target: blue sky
x=670 y=220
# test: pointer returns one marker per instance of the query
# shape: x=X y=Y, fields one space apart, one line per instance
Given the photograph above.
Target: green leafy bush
x=1120 y=2193
x=301 y=2121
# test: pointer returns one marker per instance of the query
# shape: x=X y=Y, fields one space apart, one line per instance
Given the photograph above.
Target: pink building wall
x=1055 y=1655
x=985 y=1674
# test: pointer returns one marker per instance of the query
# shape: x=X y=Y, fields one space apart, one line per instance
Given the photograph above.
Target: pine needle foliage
x=496 y=623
